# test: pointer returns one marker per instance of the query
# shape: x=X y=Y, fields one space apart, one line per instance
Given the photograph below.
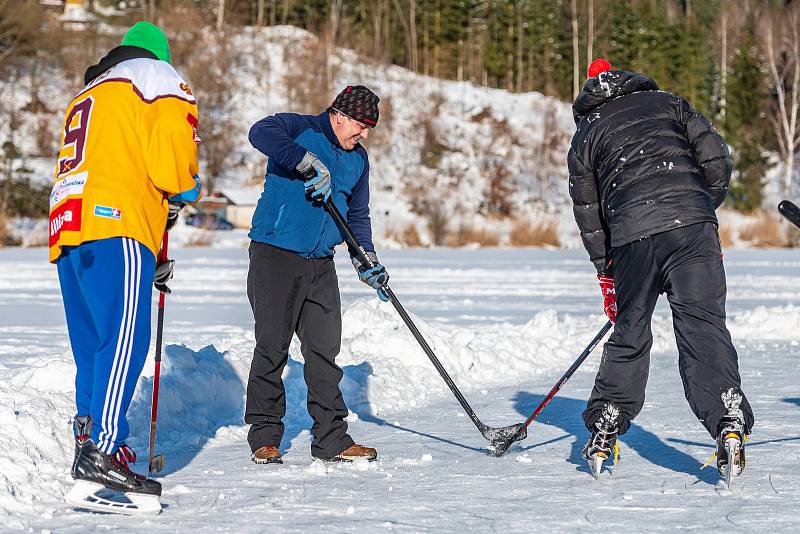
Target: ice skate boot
x=105 y=483
x=731 y=438
x=602 y=445
x=83 y=430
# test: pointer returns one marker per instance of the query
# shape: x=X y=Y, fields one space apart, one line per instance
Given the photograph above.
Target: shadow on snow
x=565 y=413
x=199 y=393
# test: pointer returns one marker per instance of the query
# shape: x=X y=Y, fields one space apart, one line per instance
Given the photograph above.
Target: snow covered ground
x=505 y=323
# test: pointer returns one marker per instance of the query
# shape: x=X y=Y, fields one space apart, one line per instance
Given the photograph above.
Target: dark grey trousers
x=685 y=264
x=288 y=294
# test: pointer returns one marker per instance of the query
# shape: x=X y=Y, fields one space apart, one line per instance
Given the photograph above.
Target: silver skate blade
x=89 y=496
x=157 y=465
x=596 y=465
x=731 y=446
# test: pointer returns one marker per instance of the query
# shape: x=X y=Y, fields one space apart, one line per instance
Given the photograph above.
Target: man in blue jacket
x=291 y=283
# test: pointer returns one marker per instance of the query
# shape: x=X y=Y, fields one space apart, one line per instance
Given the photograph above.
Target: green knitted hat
x=150 y=37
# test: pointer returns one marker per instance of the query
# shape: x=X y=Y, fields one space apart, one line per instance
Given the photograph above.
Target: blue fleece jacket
x=285 y=217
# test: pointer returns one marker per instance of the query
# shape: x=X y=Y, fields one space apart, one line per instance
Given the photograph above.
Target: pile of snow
x=202 y=390
x=36 y=406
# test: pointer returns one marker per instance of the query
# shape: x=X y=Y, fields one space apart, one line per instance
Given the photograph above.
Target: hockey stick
x=493 y=434
x=156 y=463
x=790 y=210
x=503 y=447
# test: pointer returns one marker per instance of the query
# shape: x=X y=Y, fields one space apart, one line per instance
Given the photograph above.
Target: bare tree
x=410 y=28
x=285 y=14
x=576 y=61
x=520 y=67
x=784 y=67
x=220 y=15
x=330 y=44
x=437 y=31
x=590 y=33
x=723 y=67
x=510 y=48
x=260 y=15
x=378 y=13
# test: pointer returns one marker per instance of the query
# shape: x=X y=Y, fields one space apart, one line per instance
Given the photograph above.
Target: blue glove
x=318 y=177
x=376 y=277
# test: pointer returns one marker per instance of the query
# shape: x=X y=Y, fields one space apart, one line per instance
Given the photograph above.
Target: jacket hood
x=114 y=57
x=607 y=86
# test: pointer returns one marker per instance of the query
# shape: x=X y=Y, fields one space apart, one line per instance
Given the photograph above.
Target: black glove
x=163 y=275
x=174 y=209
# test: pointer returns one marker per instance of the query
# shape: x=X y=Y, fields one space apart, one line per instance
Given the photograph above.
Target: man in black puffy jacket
x=647 y=173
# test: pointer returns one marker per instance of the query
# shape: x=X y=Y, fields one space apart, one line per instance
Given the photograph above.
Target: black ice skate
x=83 y=430
x=731 y=438
x=602 y=445
x=106 y=484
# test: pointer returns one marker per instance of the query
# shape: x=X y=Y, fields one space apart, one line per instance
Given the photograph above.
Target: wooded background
x=737 y=61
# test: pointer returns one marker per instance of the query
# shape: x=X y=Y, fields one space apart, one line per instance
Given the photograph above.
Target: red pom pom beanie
x=597 y=66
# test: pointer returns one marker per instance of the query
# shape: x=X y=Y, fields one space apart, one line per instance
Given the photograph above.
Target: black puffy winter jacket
x=642 y=161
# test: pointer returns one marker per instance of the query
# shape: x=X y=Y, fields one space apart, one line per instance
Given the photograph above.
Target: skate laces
x=124 y=455
x=713 y=457
x=606 y=432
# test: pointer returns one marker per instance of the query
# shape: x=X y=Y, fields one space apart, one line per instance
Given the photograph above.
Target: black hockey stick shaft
x=790 y=210
x=156 y=462
x=406 y=319
x=500 y=449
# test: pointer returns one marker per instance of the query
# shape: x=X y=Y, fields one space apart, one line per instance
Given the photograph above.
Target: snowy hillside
x=451 y=163
x=439 y=144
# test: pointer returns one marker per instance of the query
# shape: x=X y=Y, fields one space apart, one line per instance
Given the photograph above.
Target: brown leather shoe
x=267 y=455
x=355 y=452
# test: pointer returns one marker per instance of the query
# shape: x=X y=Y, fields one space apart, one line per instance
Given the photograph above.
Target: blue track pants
x=107 y=286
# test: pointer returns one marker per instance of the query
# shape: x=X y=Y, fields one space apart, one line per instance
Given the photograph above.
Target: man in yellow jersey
x=127 y=163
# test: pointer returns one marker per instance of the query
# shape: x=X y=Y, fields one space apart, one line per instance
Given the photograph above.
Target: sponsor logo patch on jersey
x=66 y=217
x=107 y=212
x=72 y=184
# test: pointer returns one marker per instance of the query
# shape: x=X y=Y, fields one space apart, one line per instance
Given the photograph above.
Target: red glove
x=609 y=296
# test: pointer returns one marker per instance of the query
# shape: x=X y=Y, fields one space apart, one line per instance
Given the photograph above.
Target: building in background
x=76 y=16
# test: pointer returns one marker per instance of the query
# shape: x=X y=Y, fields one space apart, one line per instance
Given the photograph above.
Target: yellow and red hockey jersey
x=129 y=142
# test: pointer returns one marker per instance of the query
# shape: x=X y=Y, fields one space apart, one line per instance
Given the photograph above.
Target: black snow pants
x=686 y=264
x=288 y=294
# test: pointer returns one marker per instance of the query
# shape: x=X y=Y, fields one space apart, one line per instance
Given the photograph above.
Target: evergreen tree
x=745 y=127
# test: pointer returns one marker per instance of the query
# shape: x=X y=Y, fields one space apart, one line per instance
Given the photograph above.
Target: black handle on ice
x=406 y=319
x=503 y=447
